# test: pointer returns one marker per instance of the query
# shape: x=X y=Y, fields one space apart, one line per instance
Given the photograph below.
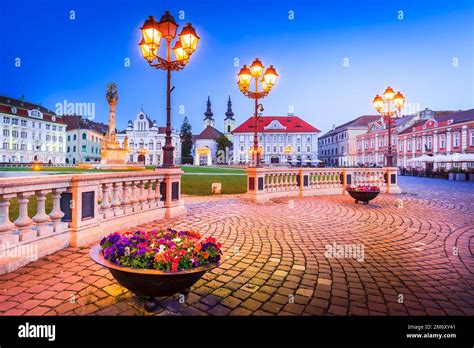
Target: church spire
x=208 y=119
x=208 y=112
x=229 y=114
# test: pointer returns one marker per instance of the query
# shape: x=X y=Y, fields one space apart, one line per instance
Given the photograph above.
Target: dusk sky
x=425 y=51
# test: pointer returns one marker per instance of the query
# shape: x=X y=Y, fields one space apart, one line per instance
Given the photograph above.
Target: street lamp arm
x=256 y=95
x=173 y=65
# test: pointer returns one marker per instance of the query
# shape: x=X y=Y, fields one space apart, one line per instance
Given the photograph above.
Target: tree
x=223 y=146
x=186 y=136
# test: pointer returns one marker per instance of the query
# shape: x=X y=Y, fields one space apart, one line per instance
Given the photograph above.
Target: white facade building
x=30 y=132
x=283 y=139
x=146 y=140
x=83 y=139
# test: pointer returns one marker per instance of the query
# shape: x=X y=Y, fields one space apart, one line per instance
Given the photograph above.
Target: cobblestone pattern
x=418 y=260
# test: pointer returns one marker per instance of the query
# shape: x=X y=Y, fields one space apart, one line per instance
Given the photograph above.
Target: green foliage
x=186 y=141
x=223 y=145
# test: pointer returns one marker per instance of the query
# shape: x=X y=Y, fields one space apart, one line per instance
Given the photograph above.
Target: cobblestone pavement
x=417 y=260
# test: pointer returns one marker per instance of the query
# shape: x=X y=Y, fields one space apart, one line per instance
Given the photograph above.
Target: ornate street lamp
x=185 y=46
x=268 y=80
x=379 y=103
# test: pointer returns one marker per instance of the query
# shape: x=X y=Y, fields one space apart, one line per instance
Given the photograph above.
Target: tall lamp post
x=383 y=106
x=185 y=46
x=267 y=82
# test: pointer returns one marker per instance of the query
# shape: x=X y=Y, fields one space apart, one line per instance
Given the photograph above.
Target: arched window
x=158 y=145
x=150 y=145
x=141 y=143
x=84 y=136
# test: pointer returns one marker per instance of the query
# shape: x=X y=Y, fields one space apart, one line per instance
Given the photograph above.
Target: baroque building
x=83 y=139
x=30 y=133
x=283 y=139
x=146 y=139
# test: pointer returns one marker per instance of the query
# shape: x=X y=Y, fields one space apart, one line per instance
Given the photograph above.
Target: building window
x=409 y=145
x=150 y=145
x=24 y=135
x=372 y=143
x=23 y=123
x=418 y=144
x=54 y=138
x=84 y=136
x=274 y=149
x=6 y=133
x=282 y=138
x=6 y=146
x=242 y=138
x=472 y=138
x=68 y=149
x=74 y=149
x=268 y=148
x=23 y=147
x=55 y=128
x=15 y=121
x=288 y=139
x=68 y=138
x=48 y=126
x=84 y=148
x=456 y=139
x=241 y=148
x=442 y=141
x=429 y=143
x=6 y=120
x=298 y=148
x=401 y=146
x=366 y=144
x=15 y=134
x=75 y=137
x=308 y=148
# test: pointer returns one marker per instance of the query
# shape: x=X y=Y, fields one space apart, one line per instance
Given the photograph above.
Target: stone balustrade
x=83 y=208
x=264 y=184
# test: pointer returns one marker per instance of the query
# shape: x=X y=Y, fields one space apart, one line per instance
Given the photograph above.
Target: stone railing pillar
x=6 y=226
x=41 y=218
x=24 y=222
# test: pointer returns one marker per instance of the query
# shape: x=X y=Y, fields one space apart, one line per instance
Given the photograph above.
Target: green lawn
x=200 y=185
x=212 y=170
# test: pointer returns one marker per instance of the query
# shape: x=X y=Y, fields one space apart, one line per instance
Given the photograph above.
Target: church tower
x=229 y=121
x=208 y=119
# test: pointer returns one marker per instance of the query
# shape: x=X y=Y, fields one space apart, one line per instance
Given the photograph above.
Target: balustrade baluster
x=105 y=205
x=115 y=198
x=5 y=224
x=157 y=192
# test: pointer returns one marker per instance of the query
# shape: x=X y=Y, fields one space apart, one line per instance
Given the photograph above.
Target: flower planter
x=363 y=196
x=157 y=263
x=153 y=283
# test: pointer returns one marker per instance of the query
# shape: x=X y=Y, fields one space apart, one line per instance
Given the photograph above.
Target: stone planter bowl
x=153 y=283
x=363 y=196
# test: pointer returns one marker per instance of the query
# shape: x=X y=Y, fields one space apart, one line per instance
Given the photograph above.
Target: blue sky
x=73 y=60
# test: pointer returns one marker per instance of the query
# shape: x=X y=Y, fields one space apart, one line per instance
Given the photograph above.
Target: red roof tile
x=292 y=124
x=208 y=133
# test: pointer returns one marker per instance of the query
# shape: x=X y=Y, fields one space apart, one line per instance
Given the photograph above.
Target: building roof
x=292 y=124
x=360 y=122
x=444 y=117
x=208 y=133
x=79 y=122
x=22 y=108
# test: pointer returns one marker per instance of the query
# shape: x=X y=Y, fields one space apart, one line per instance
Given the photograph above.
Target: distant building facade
x=146 y=141
x=29 y=132
x=372 y=147
x=284 y=139
x=205 y=146
x=83 y=139
x=447 y=138
x=338 y=147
